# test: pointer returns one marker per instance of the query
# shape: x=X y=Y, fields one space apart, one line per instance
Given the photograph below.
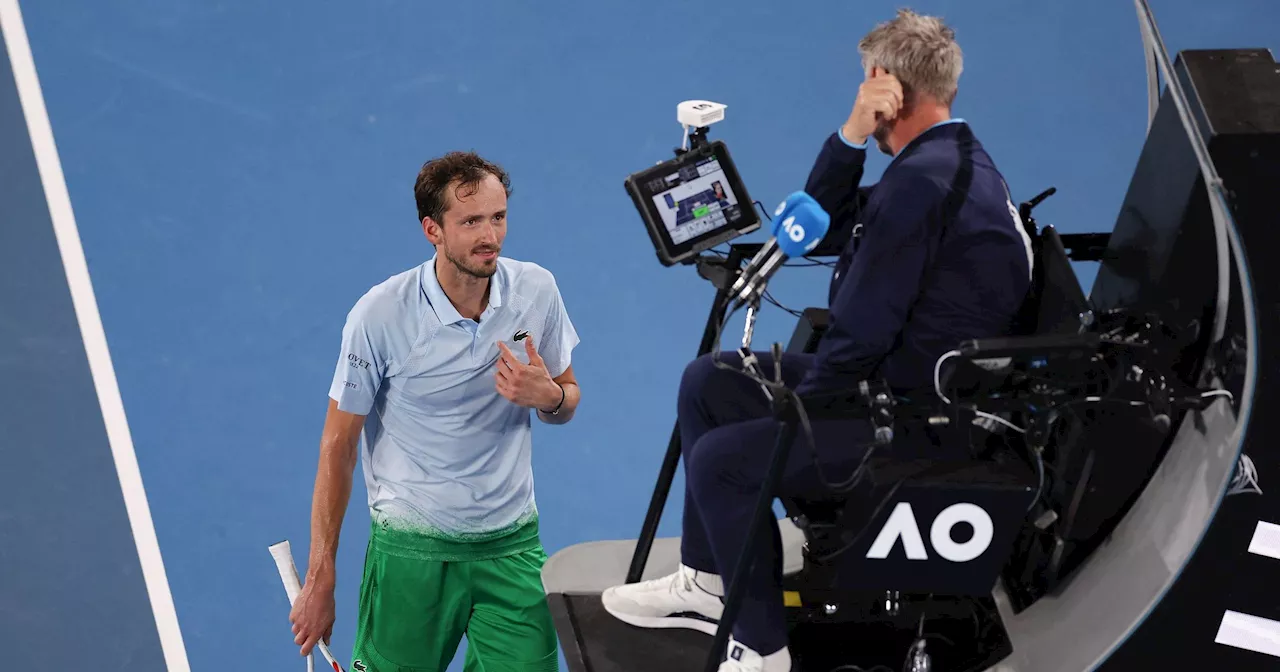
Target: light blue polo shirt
x=443 y=453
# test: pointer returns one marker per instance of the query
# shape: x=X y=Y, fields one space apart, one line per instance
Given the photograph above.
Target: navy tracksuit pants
x=728 y=433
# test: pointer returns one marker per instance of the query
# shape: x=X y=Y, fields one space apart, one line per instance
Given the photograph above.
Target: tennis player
x=441 y=368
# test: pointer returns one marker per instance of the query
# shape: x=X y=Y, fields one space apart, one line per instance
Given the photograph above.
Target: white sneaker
x=686 y=599
x=742 y=659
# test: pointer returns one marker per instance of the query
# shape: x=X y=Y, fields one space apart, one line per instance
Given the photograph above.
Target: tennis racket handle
x=283 y=556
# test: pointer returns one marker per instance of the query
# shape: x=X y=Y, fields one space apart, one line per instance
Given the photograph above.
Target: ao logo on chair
x=902 y=525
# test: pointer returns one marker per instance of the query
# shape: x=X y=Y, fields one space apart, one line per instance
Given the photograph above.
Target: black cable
x=880 y=507
x=808 y=263
x=768 y=297
x=934 y=635
x=764 y=212
x=975 y=606
x=836 y=488
x=776 y=388
x=803 y=262
x=841 y=488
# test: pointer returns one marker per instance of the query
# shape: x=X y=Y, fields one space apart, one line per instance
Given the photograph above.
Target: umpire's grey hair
x=921 y=51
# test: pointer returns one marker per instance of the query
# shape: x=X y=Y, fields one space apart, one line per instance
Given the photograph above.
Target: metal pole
x=671 y=461
x=1153 y=72
x=1153 y=45
x=762 y=518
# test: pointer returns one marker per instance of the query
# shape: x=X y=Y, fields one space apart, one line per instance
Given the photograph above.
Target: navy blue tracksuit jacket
x=934 y=254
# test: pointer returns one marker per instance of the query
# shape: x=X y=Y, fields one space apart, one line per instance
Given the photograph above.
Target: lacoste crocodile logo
x=520 y=335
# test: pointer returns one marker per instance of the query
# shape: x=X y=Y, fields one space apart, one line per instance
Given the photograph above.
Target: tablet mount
x=697 y=140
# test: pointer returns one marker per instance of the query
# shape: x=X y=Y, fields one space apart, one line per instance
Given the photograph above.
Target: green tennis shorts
x=420 y=595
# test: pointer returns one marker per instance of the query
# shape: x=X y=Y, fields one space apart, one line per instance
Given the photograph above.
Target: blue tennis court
x=238 y=173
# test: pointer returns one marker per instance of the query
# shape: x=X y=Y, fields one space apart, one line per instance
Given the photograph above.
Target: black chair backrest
x=1056 y=301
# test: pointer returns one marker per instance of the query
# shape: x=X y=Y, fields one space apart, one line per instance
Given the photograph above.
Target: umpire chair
x=922 y=539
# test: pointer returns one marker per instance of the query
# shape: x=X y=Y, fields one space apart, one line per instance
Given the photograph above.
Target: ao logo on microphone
x=794 y=231
x=902 y=525
x=800 y=224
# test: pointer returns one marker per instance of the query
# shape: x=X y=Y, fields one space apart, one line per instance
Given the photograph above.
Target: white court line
x=1245 y=631
x=1252 y=633
x=1266 y=540
x=91 y=331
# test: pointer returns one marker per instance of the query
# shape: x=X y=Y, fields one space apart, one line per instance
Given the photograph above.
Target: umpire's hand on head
x=529 y=385
x=879 y=98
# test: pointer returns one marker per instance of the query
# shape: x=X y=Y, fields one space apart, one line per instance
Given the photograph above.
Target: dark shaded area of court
x=71 y=585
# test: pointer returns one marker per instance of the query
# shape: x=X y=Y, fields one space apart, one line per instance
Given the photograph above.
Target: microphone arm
x=801 y=225
x=753 y=266
x=754 y=284
x=753 y=311
x=749 y=361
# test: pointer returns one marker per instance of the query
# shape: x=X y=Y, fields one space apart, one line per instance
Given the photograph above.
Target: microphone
x=800 y=225
x=768 y=250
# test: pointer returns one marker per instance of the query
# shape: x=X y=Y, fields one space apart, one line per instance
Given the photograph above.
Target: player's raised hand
x=534 y=358
x=528 y=385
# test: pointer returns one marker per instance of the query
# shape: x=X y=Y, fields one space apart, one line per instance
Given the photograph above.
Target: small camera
x=699 y=113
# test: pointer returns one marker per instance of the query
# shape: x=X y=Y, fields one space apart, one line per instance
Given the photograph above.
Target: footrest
x=962 y=636
x=594 y=641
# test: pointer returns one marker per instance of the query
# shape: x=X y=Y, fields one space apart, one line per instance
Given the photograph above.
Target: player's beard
x=475 y=267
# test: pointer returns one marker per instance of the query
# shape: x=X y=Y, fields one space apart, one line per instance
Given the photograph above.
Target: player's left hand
x=528 y=385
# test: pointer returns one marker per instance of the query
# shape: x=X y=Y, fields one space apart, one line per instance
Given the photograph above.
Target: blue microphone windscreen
x=803 y=227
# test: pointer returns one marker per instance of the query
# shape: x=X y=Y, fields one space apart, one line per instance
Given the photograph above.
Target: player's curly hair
x=463 y=171
x=921 y=51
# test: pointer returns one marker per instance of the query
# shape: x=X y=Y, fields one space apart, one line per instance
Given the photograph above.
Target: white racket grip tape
x=283 y=556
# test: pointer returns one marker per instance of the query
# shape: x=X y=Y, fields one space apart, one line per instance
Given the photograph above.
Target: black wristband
x=556 y=410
